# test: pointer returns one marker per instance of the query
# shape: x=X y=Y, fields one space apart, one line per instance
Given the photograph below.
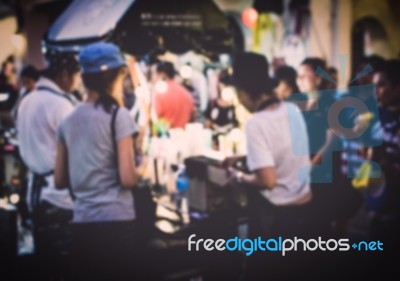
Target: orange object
x=250 y=17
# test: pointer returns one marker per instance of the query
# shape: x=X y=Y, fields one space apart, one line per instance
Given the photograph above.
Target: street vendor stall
x=137 y=25
x=196 y=33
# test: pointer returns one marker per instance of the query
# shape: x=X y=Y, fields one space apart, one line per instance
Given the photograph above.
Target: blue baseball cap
x=100 y=57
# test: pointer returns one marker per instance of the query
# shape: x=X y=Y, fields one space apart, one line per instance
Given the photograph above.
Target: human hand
x=234 y=177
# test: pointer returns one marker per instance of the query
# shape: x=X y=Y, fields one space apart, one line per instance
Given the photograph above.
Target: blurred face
x=307 y=80
x=127 y=85
x=28 y=83
x=220 y=86
x=69 y=82
x=162 y=76
x=386 y=93
x=75 y=81
x=329 y=84
x=283 y=90
x=9 y=69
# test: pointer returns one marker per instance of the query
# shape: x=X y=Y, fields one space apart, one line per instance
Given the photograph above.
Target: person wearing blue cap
x=96 y=157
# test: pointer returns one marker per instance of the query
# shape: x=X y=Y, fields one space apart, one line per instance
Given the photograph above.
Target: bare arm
x=61 y=173
x=128 y=173
x=331 y=139
x=208 y=123
x=264 y=178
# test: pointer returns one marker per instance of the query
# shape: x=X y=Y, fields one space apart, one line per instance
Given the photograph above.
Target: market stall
x=199 y=40
x=137 y=25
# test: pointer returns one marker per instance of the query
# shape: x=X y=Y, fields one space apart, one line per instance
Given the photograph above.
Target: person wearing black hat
x=277 y=157
x=39 y=116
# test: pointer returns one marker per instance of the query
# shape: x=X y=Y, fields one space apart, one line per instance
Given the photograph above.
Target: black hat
x=251 y=73
x=57 y=61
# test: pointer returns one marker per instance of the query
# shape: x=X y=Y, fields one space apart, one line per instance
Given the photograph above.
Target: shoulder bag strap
x=114 y=134
x=44 y=88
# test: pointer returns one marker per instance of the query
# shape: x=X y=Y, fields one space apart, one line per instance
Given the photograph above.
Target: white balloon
x=186 y=71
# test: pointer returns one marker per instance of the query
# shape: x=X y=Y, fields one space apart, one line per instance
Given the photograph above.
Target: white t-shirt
x=278 y=138
x=39 y=116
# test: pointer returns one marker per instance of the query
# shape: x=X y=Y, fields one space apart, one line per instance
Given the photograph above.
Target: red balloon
x=249 y=17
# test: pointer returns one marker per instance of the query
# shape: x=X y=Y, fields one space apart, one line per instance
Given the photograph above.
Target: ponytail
x=102 y=83
x=106 y=100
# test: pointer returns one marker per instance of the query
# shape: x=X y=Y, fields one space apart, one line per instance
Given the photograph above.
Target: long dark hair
x=102 y=83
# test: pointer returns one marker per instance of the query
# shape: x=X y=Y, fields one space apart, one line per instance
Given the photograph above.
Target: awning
x=86 y=21
x=138 y=25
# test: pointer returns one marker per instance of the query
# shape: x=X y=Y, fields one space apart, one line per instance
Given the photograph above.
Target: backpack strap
x=65 y=96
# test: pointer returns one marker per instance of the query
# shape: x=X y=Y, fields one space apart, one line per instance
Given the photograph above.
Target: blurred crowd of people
x=81 y=126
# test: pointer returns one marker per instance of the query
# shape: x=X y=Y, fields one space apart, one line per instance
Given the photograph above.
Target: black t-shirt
x=221 y=116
